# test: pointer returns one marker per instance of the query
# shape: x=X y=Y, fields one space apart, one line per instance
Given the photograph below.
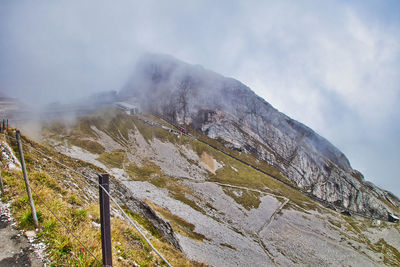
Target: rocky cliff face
x=225 y=109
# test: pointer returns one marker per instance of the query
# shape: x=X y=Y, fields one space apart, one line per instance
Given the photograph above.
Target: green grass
x=391 y=255
x=152 y=174
x=247 y=199
x=356 y=231
x=89 y=145
x=143 y=222
x=144 y=172
x=114 y=159
x=248 y=177
x=50 y=182
x=149 y=132
x=246 y=157
x=179 y=224
x=26 y=220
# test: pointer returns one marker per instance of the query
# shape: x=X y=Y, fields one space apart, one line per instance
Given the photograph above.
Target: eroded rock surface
x=225 y=109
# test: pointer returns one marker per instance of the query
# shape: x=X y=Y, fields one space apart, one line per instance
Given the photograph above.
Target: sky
x=332 y=65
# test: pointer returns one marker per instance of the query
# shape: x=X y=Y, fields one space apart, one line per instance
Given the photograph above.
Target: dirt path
x=15 y=249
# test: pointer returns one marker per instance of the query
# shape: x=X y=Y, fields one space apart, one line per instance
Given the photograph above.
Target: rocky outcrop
x=124 y=197
x=225 y=109
x=138 y=206
x=7 y=157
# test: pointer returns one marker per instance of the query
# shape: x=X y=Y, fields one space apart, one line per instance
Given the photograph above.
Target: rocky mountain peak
x=225 y=109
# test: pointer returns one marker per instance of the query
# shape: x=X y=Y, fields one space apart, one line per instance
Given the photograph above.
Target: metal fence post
x=105 y=219
x=28 y=188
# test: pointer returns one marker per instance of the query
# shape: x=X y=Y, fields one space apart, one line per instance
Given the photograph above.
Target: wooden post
x=7 y=125
x=105 y=220
x=28 y=188
x=1 y=185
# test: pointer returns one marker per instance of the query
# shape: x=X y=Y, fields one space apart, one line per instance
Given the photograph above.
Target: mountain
x=214 y=208
x=228 y=111
x=240 y=189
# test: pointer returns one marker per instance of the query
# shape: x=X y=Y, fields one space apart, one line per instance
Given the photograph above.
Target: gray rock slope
x=227 y=110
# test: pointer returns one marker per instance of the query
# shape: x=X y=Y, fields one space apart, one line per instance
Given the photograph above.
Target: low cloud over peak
x=334 y=65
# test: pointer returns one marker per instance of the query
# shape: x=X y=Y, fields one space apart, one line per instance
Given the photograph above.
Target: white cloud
x=359 y=67
x=333 y=65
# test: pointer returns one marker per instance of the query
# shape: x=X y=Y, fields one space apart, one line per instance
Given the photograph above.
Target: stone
x=30 y=234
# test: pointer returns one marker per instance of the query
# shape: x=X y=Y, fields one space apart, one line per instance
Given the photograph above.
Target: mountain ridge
x=222 y=211
x=224 y=108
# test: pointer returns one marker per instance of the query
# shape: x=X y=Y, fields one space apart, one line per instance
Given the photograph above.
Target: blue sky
x=333 y=65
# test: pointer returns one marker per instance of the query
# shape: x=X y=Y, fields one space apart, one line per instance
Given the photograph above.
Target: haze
x=333 y=65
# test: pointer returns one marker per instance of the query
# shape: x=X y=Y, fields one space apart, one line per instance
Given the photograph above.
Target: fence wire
x=131 y=221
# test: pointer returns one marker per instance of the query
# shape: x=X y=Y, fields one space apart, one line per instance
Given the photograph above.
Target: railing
x=105 y=198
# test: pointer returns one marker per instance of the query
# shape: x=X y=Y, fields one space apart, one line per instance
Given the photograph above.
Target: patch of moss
x=152 y=174
x=246 y=198
x=143 y=222
x=149 y=132
x=89 y=145
x=144 y=172
x=246 y=157
x=55 y=129
x=335 y=223
x=391 y=255
x=83 y=128
x=353 y=226
x=114 y=159
x=179 y=224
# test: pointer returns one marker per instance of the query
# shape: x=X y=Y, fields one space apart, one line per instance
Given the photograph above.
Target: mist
x=334 y=66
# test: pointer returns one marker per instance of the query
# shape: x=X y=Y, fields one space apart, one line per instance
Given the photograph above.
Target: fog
x=333 y=65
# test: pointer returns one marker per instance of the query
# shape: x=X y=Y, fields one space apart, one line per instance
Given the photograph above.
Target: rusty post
x=105 y=219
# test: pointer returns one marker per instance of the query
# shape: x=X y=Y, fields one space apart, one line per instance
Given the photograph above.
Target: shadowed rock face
x=224 y=108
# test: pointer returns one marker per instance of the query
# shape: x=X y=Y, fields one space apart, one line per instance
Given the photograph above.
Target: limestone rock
x=225 y=109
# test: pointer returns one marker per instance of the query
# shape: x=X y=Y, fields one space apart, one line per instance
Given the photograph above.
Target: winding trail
x=273 y=216
x=256 y=235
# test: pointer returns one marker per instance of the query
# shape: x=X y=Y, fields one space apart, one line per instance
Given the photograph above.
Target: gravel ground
x=15 y=248
x=236 y=236
x=230 y=212
x=244 y=250
x=295 y=238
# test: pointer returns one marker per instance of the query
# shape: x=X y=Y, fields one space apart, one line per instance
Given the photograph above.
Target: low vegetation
x=152 y=174
x=244 y=176
x=248 y=199
x=114 y=159
x=179 y=224
x=233 y=172
x=89 y=145
x=72 y=200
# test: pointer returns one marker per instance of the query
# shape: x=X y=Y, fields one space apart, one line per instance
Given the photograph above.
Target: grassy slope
x=79 y=211
x=118 y=124
x=244 y=176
